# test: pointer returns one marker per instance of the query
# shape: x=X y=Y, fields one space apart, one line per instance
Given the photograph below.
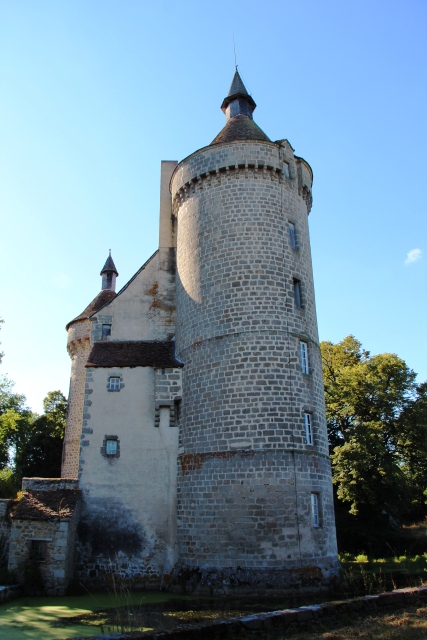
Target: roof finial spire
x=238 y=102
x=109 y=274
x=235 y=57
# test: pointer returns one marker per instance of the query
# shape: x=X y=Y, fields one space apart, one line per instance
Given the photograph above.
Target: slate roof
x=237 y=85
x=46 y=505
x=103 y=298
x=237 y=90
x=109 y=266
x=134 y=353
x=240 y=128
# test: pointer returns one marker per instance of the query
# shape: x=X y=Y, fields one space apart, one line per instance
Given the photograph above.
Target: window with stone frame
x=315 y=510
x=177 y=406
x=114 y=383
x=38 y=550
x=308 y=425
x=106 y=330
x=111 y=447
x=297 y=293
x=303 y=350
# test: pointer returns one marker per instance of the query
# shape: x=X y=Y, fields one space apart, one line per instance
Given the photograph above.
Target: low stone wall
x=281 y=619
x=49 y=484
x=9 y=593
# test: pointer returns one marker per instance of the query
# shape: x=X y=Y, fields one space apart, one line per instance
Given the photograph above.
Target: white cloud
x=61 y=280
x=413 y=255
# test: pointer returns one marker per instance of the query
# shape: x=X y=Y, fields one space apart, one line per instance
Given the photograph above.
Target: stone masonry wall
x=5 y=525
x=167 y=389
x=244 y=392
x=79 y=349
x=57 y=569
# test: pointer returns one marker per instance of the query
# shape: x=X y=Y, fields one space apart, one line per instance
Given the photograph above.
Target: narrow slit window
x=111 y=447
x=315 y=515
x=297 y=293
x=114 y=384
x=308 y=428
x=292 y=235
x=106 y=330
x=177 y=404
x=303 y=349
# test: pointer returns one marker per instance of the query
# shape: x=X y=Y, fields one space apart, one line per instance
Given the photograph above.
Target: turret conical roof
x=109 y=266
x=238 y=90
x=237 y=85
x=238 y=107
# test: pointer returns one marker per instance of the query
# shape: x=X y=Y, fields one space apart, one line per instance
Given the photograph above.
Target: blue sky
x=95 y=93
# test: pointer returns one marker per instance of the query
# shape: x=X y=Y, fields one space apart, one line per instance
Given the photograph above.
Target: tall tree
x=378 y=435
x=39 y=453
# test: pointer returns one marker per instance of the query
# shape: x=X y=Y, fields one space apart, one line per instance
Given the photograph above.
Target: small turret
x=238 y=102
x=109 y=274
x=238 y=107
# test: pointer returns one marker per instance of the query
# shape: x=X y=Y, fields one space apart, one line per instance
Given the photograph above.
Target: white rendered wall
x=129 y=502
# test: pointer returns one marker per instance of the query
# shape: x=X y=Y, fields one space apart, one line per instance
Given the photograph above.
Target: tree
x=376 y=417
x=30 y=445
x=39 y=453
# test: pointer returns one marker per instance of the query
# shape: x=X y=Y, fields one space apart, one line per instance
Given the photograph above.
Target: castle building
x=196 y=426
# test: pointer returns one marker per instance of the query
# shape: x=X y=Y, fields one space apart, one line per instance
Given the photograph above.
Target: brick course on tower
x=196 y=442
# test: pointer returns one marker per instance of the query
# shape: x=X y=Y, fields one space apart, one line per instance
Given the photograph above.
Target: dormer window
x=106 y=330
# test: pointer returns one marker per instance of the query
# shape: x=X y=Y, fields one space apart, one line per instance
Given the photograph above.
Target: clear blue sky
x=95 y=93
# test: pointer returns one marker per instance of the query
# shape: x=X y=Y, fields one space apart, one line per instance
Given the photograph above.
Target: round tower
x=78 y=346
x=255 y=502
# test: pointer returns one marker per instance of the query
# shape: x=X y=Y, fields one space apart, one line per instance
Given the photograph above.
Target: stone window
x=308 y=428
x=114 y=383
x=177 y=407
x=303 y=350
x=297 y=293
x=111 y=447
x=315 y=510
x=292 y=235
x=106 y=330
x=286 y=169
x=38 y=550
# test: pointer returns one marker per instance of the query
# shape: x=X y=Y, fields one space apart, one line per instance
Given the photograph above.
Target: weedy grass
x=409 y=623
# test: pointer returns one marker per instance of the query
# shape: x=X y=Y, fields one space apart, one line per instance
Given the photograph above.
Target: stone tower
x=79 y=346
x=254 y=482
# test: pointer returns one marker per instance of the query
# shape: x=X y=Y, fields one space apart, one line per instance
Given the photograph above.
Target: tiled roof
x=240 y=128
x=103 y=298
x=133 y=353
x=46 y=505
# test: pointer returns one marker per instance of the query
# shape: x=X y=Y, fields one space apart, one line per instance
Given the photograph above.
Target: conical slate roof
x=237 y=85
x=238 y=107
x=237 y=90
x=240 y=128
x=109 y=265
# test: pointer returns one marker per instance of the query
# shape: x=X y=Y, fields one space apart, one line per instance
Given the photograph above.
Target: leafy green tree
x=378 y=437
x=39 y=453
